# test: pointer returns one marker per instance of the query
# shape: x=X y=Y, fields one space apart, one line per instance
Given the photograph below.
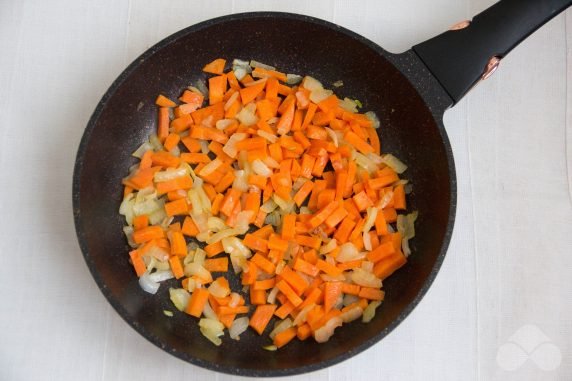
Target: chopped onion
x=240 y=73
x=204 y=146
x=169 y=174
x=330 y=246
x=338 y=83
x=281 y=326
x=231 y=100
x=180 y=298
x=270 y=162
x=230 y=146
x=323 y=334
x=405 y=247
x=198 y=270
x=128 y=231
x=247 y=115
x=216 y=224
x=201 y=86
x=370 y=220
x=303 y=314
x=157 y=252
x=234 y=246
x=330 y=278
x=293 y=79
x=234 y=300
x=142 y=149
x=222 y=234
x=242 y=223
x=218 y=291
x=367 y=266
x=160 y=276
x=349 y=252
x=367 y=241
x=385 y=200
x=351 y=314
x=374 y=119
x=311 y=84
x=126 y=208
x=394 y=163
x=241 y=63
x=271 y=299
x=147 y=284
x=210 y=167
x=369 y=312
x=168 y=313
x=195 y=90
x=273 y=218
x=254 y=63
x=224 y=123
x=365 y=278
x=260 y=168
x=191 y=284
x=209 y=312
x=319 y=95
x=268 y=136
x=406 y=225
x=333 y=136
x=270 y=348
x=350 y=299
x=348 y=105
x=155 y=142
x=365 y=162
x=238 y=327
x=212 y=329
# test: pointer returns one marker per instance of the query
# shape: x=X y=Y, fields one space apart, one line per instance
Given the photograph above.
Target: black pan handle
x=460 y=57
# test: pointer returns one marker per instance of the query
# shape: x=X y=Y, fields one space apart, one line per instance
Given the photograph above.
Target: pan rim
x=76 y=186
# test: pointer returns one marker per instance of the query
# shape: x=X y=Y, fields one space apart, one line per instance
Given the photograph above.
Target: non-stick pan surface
x=399 y=88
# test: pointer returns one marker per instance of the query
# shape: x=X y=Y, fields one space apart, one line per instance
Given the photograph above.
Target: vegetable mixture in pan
x=280 y=181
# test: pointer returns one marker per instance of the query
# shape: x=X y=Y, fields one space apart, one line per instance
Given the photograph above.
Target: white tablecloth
x=499 y=309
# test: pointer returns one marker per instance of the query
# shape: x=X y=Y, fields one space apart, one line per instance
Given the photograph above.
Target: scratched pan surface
x=409 y=103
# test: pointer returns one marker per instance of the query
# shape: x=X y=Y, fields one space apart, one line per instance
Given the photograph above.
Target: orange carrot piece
x=249 y=277
x=215 y=67
x=382 y=181
x=265 y=284
x=285 y=122
x=305 y=267
x=298 y=284
x=320 y=164
x=263 y=263
x=371 y=293
x=332 y=290
x=147 y=234
x=312 y=107
x=264 y=232
x=284 y=310
x=386 y=267
x=351 y=289
x=255 y=243
x=399 y=197
x=183 y=182
x=177 y=207
x=192 y=100
x=357 y=142
x=288 y=226
x=248 y=94
x=140 y=222
x=284 y=337
x=328 y=268
x=189 y=228
x=277 y=243
x=226 y=310
x=176 y=267
x=304 y=331
x=336 y=217
x=229 y=202
x=217 y=88
x=163 y=123
x=232 y=81
x=214 y=249
x=362 y=201
x=257 y=296
x=325 y=198
x=163 y=101
x=261 y=317
x=165 y=159
x=313 y=242
x=216 y=264
x=384 y=250
x=178 y=244
x=289 y=292
x=303 y=192
x=195 y=158
x=138 y=263
x=324 y=213
x=197 y=303
x=390 y=214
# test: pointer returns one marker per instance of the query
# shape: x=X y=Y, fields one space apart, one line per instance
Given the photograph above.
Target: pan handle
x=471 y=50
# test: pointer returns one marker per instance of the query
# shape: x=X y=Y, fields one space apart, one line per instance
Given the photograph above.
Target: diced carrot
x=199 y=299
x=257 y=296
x=390 y=215
x=177 y=207
x=371 y=293
x=178 y=244
x=313 y=242
x=215 y=67
x=284 y=310
x=303 y=192
x=255 y=243
x=386 y=267
x=285 y=122
x=304 y=331
x=332 y=291
x=263 y=263
x=216 y=264
x=284 y=337
x=265 y=284
x=298 y=284
x=351 y=289
x=147 y=234
x=324 y=213
x=176 y=267
x=289 y=292
x=288 y=226
x=189 y=228
x=261 y=317
x=214 y=249
x=183 y=182
x=384 y=250
x=362 y=201
x=248 y=94
x=138 y=263
x=142 y=221
x=328 y=268
x=163 y=123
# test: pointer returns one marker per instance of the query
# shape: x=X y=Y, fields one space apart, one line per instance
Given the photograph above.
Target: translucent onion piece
x=160 y=276
x=260 y=168
x=374 y=119
x=254 y=63
x=324 y=333
x=280 y=327
x=238 y=327
x=369 y=312
x=311 y=84
x=180 y=298
x=212 y=330
x=147 y=284
x=365 y=278
x=349 y=252
x=293 y=79
x=394 y=163
x=351 y=314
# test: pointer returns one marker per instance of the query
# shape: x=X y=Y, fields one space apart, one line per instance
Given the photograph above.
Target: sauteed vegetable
x=273 y=177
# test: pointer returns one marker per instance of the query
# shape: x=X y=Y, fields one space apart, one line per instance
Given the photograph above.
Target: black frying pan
x=409 y=91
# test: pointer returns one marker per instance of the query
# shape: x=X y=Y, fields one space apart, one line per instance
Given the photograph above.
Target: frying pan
x=409 y=92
